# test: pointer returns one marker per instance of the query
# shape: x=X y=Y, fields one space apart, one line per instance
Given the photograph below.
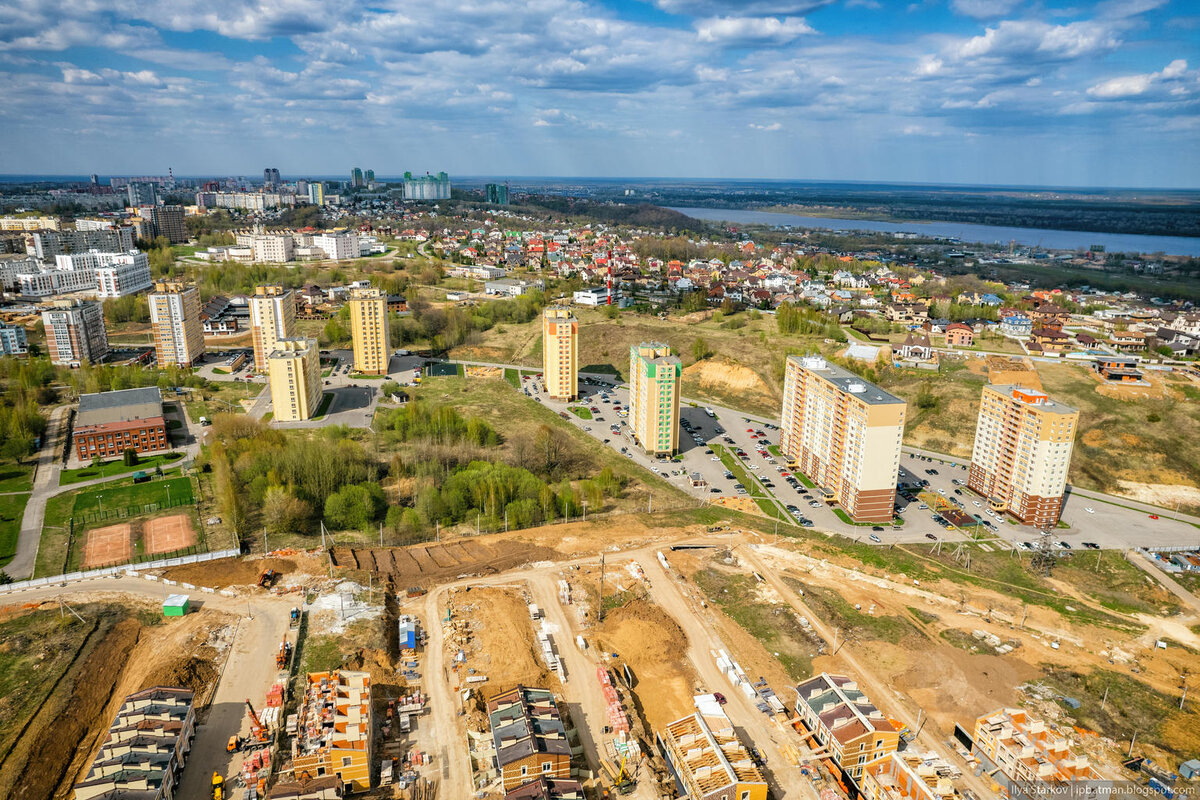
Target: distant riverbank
x=967 y=233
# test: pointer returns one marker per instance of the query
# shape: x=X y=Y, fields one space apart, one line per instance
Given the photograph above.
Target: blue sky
x=1041 y=92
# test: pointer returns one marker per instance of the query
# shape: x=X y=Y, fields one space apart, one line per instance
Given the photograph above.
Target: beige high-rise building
x=1022 y=452
x=294 y=366
x=75 y=332
x=175 y=321
x=654 y=397
x=272 y=317
x=844 y=434
x=369 y=331
x=560 y=353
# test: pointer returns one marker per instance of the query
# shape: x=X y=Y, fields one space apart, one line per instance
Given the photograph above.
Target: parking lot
x=1089 y=520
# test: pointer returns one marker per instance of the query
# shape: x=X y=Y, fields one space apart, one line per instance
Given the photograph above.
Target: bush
x=355 y=507
x=130 y=457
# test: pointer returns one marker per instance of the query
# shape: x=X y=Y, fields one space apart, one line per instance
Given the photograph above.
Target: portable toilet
x=408 y=634
x=175 y=605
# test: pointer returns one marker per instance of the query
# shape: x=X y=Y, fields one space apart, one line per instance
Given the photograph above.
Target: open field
x=16 y=477
x=221 y=397
x=61 y=681
x=108 y=468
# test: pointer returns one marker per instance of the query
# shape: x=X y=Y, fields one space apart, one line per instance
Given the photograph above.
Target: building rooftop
x=708 y=754
x=1027 y=396
x=526 y=721
x=124 y=405
x=842 y=707
x=845 y=381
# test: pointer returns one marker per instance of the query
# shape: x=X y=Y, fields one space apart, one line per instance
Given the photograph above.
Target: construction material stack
x=618 y=720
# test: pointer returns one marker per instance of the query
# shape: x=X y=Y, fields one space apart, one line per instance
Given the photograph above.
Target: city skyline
x=967 y=92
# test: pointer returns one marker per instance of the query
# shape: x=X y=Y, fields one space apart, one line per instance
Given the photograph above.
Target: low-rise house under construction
x=910 y=776
x=334 y=729
x=1021 y=753
x=706 y=757
x=852 y=732
x=146 y=748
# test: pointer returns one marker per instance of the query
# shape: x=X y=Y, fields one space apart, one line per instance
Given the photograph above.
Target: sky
x=1025 y=92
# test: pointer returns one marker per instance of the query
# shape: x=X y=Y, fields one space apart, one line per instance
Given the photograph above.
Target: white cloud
x=1128 y=86
x=1038 y=40
x=699 y=8
x=984 y=9
x=774 y=126
x=752 y=29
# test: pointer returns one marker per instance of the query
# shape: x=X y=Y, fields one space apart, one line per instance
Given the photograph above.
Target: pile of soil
x=228 y=571
x=723 y=377
x=653 y=645
x=429 y=564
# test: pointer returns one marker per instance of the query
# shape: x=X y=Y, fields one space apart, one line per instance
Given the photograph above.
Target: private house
x=1049 y=316
x=1016 y=324
x=1050 y=340
x=841 y=720
x=1021 y=752
x=907 y=313
x=1118 y=369
x=706 y=757
x=1088 y=342
x=959 y=335
x=1129 y=341
x=916 y=347
x=529 y=737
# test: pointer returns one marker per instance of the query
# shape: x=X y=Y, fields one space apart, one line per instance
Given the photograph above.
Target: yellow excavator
x=218 y=786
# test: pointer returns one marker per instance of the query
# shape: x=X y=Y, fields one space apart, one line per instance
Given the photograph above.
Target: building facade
x=1022 y=453
x=113 y=274
x=13 y=341
x=145 y=749
x=168 y=222
x=334 y=731
x=48 y=244
x=1024 y=754
x=75 y=333
x=497 y=193
x=706 y=757
x=272 y=317
x=844 y=722
x=294 y=368
x=844 y=434
x=176 y=324
x=560 y=353
x=369 y=331
x=337 y=246
x=529 y=736
x=109 y=423
x=426 y=187
x=654 y=376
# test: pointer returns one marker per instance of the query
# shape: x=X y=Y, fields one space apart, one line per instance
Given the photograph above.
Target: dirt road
x=444 y=705
x=752 y=725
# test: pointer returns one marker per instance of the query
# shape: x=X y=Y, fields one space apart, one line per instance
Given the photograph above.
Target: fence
x=108 y=572
x=124 y=512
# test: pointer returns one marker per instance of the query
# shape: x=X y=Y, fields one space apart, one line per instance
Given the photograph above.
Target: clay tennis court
x=108 y=545
x=168 y=534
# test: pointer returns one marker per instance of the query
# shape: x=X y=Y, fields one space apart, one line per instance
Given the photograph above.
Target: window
x=547 y=766
x=524 y=771
x=346 y=761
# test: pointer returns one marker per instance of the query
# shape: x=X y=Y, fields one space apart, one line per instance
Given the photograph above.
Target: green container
x=176 y=605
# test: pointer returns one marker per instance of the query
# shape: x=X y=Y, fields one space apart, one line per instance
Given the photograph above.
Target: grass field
x=323 y=408
x=221 y=397
x=16 y=477
x=12 y=509
x=581 y=412
x=117 y=467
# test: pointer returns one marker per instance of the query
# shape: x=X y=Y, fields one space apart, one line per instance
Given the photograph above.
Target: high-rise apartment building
x=141 y=194
x=13 y=341
x=654 y=397
x=1022 y=453
x=337 y=246
x=175 y=321
x=294 y=366
x=75 y=332
x=369 y=331
x=369 y=176
x=844 y=434
x=316 y=193
x=272 y=317
x=560 y=353
x=48 y=244
x=426 y=187
x=168 y=222
x=356 y=177
x=271 y=177
x=497 y=193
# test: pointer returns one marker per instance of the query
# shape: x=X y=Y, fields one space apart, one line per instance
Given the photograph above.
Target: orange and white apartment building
x=1022 y=452
x=851 y=732
x=334 y=729
x=1020 y=752
x=176 y=324
x=560 y=353
x=844 y=434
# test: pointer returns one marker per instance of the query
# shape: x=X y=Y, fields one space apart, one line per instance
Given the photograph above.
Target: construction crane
x=257 y=730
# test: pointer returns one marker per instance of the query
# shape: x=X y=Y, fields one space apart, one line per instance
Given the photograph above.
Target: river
x=963 y=231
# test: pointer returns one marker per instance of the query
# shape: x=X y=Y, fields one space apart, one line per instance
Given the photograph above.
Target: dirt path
x=1140 y=561
x=452 y=755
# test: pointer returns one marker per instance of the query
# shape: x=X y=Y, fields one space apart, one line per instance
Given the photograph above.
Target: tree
x=130 y=457
x=700 y=350
x=355 y=506
x=283 y=512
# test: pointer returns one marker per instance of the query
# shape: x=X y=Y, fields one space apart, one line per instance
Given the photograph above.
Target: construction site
x=498 y=667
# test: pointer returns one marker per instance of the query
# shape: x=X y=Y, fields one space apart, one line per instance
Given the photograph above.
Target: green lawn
x=116 y=467
x=109 y=498
x=581 y=412
x=12 y=509
x=16 y=477
x=326 y=399
x=512 y=377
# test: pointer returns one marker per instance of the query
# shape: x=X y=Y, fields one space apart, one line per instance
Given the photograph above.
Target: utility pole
x=264 y=540
x=1104 y=700
x=381 y=534
x=650 y=504
x=600 y=613
x=1131 y=741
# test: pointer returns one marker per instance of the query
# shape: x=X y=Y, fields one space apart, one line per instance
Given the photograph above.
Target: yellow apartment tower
x=294 y=367
x=369 y=331
x=272 y=317
x=560 y=353
x=175 y=322
x=1022 y=452
x=844 y=434
x=654 y=397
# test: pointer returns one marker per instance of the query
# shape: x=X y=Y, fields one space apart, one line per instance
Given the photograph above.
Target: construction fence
x=109 y=572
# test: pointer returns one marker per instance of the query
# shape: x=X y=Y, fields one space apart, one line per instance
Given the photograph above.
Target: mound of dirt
x=228 y=571
x=428 y=564
x=721 y=375
x=647 y=639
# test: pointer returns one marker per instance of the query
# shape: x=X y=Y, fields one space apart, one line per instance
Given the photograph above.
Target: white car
x=715 y=458
x=1090 y=510
x=977 y=504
